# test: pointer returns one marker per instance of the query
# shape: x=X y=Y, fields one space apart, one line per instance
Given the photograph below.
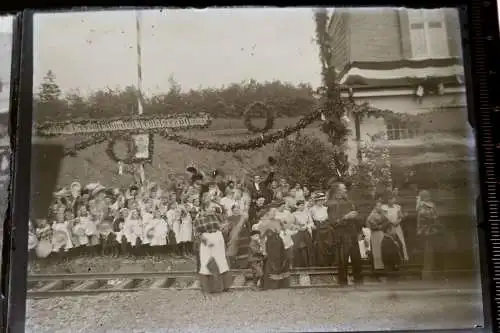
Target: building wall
x=340 y=38
x=380 y=35
x=375 y=35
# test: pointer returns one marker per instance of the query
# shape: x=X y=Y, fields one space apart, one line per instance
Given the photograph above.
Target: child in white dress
x=156 y=231
x=133 y=230
x=61 y=226
x=185 y=238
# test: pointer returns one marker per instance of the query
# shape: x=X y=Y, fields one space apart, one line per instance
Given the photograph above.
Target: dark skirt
x=324 y=247
x=303 y=249
x=277 y=264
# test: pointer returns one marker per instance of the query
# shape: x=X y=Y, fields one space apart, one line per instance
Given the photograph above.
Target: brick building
x=410 y=61
x=406 y=61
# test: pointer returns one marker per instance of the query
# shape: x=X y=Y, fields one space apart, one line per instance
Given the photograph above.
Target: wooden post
x=357 y=124
x=140 y=107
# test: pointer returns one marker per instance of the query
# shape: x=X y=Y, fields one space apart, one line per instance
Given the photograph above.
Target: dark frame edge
x=473 y=52
x=15 y=254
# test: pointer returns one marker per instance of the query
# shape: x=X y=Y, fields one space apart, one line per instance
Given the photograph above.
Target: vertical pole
x=357 y=124
x=140 y=106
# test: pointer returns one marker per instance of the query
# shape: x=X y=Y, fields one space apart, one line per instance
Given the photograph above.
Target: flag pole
x=140 y=106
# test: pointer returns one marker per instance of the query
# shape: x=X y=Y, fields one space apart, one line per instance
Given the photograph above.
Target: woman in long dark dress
x=277 y=265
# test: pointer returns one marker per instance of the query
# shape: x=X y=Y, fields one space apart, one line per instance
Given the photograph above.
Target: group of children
x=147 y=220
x=97 y=220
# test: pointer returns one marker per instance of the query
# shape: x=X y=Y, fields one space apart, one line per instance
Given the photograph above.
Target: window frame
x=400 y=130
x=423 y=16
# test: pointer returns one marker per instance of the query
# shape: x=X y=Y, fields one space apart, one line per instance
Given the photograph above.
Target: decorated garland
x=254 y=143
x=250 y=144
x=269 y=118
x=365 y=110
x=93 y=140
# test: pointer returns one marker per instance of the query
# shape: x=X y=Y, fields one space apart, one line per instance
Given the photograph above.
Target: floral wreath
x=117 y=153
x=269 y=118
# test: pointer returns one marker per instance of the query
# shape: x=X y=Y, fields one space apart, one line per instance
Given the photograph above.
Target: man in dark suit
x=347 y=228
x=260 y=187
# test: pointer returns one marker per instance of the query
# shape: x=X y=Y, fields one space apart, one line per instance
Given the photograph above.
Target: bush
x=306 y=160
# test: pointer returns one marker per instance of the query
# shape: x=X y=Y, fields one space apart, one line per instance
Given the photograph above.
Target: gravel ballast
x=284 y=310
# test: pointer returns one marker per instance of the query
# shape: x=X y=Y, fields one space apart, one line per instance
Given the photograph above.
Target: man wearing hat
x=347 y=229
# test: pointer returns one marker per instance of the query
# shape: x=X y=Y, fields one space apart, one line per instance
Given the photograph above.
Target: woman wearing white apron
x=375 y=222
x=394 y=214
x=214 y=268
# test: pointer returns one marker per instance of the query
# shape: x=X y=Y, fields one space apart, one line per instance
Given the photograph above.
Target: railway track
x=57 y=285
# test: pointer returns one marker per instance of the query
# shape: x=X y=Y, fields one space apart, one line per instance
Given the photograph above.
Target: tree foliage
x=306 y=160
x=229 y=101
x=49 y=91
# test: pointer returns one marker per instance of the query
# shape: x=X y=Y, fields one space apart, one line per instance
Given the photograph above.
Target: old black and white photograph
x=251 y=170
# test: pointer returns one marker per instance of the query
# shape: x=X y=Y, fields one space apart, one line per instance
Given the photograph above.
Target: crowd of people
x=289 y=226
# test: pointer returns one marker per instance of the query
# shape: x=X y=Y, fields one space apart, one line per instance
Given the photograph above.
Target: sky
x=198 y=48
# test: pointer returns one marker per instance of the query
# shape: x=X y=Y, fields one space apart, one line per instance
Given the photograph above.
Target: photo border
x=14 y=252
x=16 y=228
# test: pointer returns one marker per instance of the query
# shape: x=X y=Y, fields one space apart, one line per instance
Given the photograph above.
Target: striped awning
x=402 y=73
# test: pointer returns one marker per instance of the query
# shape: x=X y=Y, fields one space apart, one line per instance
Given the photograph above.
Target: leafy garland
x=250 y=144
x=270 y=116
x=93 y=140
x=366 y=111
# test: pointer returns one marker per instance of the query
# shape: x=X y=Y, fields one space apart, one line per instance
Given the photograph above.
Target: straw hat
x=43 y=248
x=92 y=186
x=98 y=189
x=318 y=196
x=62 y=193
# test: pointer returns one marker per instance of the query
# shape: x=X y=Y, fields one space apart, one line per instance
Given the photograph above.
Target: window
x=428 y=36
x=397 y=130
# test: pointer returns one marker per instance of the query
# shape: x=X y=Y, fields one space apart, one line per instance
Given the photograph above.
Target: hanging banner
x=103 y=125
